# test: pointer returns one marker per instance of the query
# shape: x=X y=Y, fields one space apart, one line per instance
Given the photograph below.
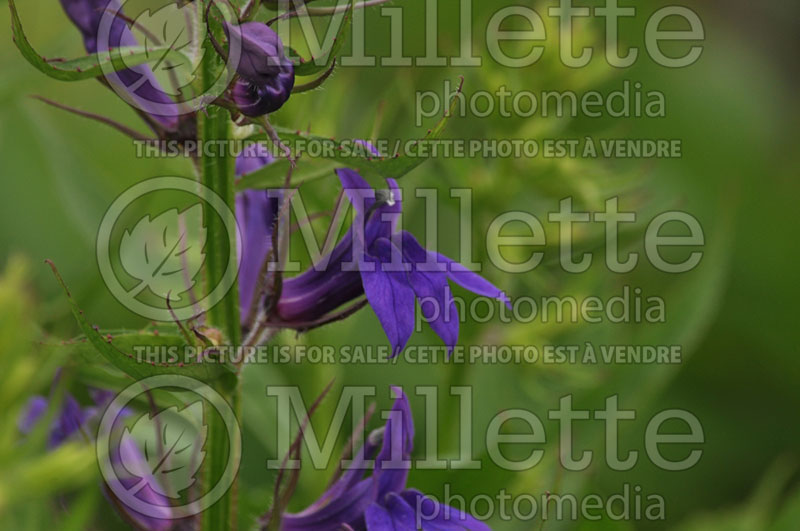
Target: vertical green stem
x=217 y=173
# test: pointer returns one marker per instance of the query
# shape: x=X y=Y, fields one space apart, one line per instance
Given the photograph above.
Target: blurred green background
x=735 y=315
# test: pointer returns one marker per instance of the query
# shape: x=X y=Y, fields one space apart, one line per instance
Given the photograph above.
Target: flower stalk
x=217 y=173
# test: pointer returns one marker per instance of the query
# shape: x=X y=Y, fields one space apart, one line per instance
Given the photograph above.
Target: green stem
x=217 y=174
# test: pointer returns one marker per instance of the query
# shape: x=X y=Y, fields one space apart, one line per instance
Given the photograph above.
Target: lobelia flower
x=69 y=421
x=257 y=212
x=125 y=456
x=266 y=74
x=381 y=501
x=252 y=158
x=139 y=81
x=73 y=420
x=389 y=266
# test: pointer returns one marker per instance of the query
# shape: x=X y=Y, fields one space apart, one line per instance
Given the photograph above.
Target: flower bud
x=267 y=75
x=255 y=100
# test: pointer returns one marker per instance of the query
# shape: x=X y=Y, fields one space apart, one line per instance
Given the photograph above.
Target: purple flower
x=257 y=212
x=253 y=158
x=69 y=421
x=86 y=15
x=389 y=266
x=257 y=100
x=262 y=58
x=73 y=419
x=381 y=501
x=131 y=470
x=139 y=82
x=267 y=75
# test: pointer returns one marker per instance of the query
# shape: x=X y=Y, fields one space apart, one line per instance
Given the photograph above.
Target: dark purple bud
x=254 y=100
x=267 y=75
x=262 y=57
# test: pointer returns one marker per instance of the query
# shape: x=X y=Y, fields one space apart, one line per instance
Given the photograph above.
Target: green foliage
x=90 y=66
x=314 y=66
x=28 y=475
x=119 y=350
x=274 y=175
x=735 y=315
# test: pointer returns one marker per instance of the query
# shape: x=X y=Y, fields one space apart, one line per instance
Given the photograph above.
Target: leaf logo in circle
x=172 y=453
x=165 y=253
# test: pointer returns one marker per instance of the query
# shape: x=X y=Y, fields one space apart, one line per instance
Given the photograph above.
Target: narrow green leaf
x=142 y=354
x=313 y=66
x=273 y=176
x=121 y=350
x=90 y=66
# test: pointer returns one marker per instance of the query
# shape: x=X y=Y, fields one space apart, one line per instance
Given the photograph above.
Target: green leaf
x=134 y=352
x=129 y=352
x=90 y=66
x=273 y=176
x=346 y=154
x=314 y=66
